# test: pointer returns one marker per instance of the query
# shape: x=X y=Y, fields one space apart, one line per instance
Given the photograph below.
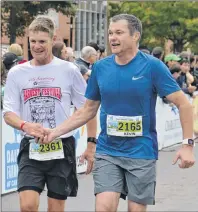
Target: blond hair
x=43 y=24
x=16 y=49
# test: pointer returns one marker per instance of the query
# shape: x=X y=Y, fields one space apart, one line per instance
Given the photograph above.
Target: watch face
x=190 y=142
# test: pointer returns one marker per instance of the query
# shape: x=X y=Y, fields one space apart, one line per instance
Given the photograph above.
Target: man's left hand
x=89 y=156
x=186 y=156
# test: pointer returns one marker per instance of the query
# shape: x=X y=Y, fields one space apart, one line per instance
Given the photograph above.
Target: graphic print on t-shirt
x=42 y=104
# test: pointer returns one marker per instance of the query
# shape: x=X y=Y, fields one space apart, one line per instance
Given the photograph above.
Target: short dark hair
x=57 y=48
x=94 y=45
x=175 y=69
x=102 y=49
x=134 y=24
x=157 y=51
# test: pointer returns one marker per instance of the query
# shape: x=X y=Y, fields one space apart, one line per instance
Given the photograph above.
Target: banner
x=168 y=124
x=10 y=148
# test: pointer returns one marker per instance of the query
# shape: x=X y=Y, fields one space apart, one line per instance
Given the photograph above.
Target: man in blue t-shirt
x=126 y=85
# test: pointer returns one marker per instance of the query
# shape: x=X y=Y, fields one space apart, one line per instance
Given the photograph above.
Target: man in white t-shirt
x=38 y=94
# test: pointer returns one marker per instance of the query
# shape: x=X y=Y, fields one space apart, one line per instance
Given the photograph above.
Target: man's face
x=120 y=39
x=93 y=58
x=41 y=46
x=185 y=67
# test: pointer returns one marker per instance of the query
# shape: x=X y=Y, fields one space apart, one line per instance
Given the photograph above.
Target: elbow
x=187 y=105
x=92 y=114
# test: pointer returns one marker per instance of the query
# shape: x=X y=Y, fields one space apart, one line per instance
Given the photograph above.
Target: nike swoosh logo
x=136 y=78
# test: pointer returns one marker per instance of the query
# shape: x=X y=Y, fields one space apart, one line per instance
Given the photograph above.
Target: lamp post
x=71 y=31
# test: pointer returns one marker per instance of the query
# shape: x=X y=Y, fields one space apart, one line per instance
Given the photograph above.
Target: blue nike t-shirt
x=130 y=90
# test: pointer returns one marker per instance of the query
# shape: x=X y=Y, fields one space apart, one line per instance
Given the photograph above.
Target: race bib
x=43 y=152
x=124 y=126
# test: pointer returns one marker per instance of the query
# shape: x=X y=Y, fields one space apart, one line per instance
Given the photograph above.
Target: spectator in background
x=158 y=52
x=144 y=49
x=103 y=53
x=175 y=71
x=185 y=79
x=3 y=73
x=59 y=50
x=88 y=57
x=70 y=54
x=3 y=77
x=171 y=59
x=85 y=72
x=18 y=51
x=9 y=60
x=96 y=47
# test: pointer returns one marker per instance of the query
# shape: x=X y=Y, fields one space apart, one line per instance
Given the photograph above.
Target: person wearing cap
x=158 y=52
x=171 y=59
x=9 y=60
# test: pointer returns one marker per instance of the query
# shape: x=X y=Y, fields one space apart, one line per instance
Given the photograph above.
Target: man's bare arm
x=33 y=129
x=185 y=110
x=92 y=127
x=79 y=118
x=13 y=120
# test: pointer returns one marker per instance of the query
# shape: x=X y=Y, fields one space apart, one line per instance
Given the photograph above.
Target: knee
x=55 y=205
x=28 y=206
x=102 y=207
x=105 y=206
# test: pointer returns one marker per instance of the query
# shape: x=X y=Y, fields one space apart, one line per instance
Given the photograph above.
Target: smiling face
x=120 y=39
x=41 y=47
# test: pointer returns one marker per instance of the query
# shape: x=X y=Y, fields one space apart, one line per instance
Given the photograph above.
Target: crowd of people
x=183 y=67
x=37 y=99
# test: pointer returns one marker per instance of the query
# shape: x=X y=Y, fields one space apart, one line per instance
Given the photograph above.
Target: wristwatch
x=92 y=140
x=188 y=141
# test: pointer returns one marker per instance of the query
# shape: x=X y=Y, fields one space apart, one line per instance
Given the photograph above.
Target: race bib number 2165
x=124 y=126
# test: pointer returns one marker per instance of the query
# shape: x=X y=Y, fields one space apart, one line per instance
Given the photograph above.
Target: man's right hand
x=50 y=135
x=34 y=129
x=191 y=89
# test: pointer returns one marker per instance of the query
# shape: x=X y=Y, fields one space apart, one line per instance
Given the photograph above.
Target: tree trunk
x=12 y=24
x=179 y=46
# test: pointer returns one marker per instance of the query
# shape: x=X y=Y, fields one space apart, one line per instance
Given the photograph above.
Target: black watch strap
x=92 y=139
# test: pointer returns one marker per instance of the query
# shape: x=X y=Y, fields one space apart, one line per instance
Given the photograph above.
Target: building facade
x=89 y=24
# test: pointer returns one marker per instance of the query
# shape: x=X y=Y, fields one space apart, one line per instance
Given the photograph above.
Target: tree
x=176 y=21
x=17 y=15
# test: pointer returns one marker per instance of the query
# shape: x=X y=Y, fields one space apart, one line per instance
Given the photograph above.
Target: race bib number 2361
x=42 y=152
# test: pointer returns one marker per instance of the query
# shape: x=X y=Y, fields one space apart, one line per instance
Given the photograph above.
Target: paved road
x=177 y=189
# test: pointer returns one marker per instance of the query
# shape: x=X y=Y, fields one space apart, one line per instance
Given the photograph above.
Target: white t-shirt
x=43 y=94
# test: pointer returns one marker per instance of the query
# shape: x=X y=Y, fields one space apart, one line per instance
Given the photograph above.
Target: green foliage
x=17 y=15
x=176 y=20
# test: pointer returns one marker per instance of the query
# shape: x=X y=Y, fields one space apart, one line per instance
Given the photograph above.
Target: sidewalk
x=177 y=189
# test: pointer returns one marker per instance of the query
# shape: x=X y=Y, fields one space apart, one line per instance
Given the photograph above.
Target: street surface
x=177 y=189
